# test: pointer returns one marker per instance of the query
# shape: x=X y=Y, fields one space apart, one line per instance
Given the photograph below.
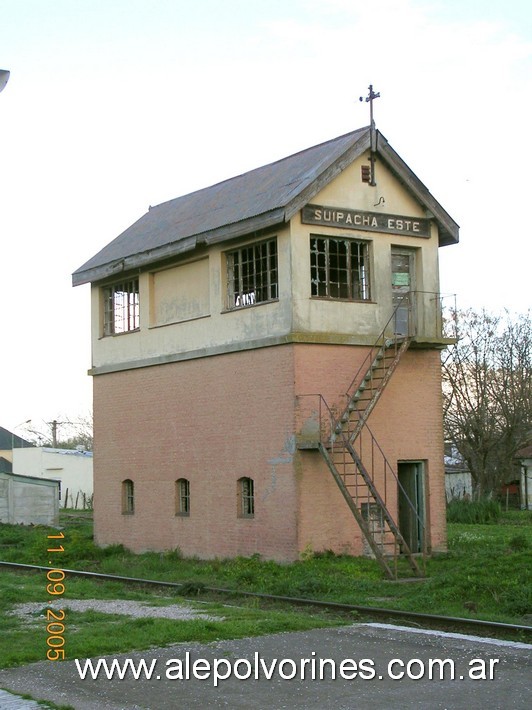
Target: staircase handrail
x=390 y=468
x=325 y=441
x=381 y=339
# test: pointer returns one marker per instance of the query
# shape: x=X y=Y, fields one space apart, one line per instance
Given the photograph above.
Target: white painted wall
x=183 y=308
x=458 y=485
x=526 y=484
x=72 y=468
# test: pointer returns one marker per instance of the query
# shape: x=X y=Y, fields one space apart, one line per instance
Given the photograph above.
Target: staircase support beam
x=357 y=514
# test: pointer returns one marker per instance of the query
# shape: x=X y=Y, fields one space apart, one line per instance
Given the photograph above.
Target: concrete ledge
x=417 y=342
x=271 y=341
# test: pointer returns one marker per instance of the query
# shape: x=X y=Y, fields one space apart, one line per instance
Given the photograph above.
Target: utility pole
x=54 y=426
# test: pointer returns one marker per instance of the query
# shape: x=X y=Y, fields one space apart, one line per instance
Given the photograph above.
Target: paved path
x=372 y=646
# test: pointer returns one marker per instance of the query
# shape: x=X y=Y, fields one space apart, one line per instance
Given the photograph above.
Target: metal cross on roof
x=369 y=99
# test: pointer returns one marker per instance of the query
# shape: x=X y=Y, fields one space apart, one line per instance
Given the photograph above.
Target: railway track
x=432 y=621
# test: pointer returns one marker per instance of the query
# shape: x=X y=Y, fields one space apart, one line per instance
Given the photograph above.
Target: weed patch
x=473 y=512
x=485 y=574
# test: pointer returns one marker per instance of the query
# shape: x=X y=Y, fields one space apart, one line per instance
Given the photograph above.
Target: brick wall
x=216 y=419
x=212 y=421
x=407 y=423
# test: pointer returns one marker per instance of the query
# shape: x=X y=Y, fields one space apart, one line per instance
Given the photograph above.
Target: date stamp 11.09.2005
x=55 y=587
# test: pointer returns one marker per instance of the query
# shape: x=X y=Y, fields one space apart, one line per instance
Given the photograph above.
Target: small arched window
x=245 y=498
x=182 y=497
x=128 y=497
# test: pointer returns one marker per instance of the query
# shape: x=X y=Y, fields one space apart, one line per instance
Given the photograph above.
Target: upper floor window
x=252 y=274
x=182 y=494
x=121 y=307
x=339 y=268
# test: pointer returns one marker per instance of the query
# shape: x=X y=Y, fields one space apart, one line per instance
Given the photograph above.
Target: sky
x=116 y=105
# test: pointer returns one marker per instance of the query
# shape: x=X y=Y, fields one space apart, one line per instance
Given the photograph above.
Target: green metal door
x=411 y=495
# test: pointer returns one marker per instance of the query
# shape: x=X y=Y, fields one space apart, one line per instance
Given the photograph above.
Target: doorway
x=411 y=501
x=403 y=285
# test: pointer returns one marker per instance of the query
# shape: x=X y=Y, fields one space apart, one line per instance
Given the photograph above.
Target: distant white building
x=72 y=468
x=458 y=483
x=525 y=457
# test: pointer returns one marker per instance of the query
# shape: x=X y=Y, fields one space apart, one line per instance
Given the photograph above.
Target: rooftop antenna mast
x=372 y=135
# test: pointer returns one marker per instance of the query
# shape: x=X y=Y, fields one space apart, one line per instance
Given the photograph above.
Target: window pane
x=252 y=274
x=128 y=497
x=339 y=268
x=121 y=307
x=246 y=498
x=183 y=496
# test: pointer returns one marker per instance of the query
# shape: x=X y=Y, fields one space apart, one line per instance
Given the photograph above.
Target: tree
x=78 y=433
x=65 y=433
x=487 y=391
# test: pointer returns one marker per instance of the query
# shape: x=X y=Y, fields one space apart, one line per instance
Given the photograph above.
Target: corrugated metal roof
x=257 y=199
x=8 y=440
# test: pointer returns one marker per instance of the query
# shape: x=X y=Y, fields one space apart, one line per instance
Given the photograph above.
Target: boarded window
x=339 y=269
x=181 y=293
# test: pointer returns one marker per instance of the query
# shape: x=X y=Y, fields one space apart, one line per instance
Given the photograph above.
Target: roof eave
x=146 y=258
x=448 y=229
x=301 y=198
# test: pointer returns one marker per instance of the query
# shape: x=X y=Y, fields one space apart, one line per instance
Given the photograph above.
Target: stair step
x=356 y=483
x=362 y=396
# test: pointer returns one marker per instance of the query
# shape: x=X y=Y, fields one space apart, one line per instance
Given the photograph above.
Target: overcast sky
x=115 y=105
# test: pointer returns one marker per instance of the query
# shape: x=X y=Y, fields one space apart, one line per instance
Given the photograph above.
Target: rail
x=435 y=620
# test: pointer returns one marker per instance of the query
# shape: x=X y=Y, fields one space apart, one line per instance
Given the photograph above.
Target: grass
x=485 y=574
x=466 y=511
x=94 y=633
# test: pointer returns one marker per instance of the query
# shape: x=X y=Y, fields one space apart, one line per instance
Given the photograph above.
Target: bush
x=518 y=543
x=473 y=512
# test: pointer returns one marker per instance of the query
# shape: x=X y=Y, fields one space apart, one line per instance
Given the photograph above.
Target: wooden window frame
x=128 y=497
x=246 y=497
x=182 y=494
x=339 y=268
x=252 y=274
x=121 y=307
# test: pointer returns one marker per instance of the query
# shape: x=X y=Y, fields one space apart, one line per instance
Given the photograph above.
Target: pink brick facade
x=211 y=420
x=407 y=423
x=216 y=419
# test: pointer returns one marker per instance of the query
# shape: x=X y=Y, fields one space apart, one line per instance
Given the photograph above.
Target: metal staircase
x=359 y=466
x=366 y=489
x=369 y=383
